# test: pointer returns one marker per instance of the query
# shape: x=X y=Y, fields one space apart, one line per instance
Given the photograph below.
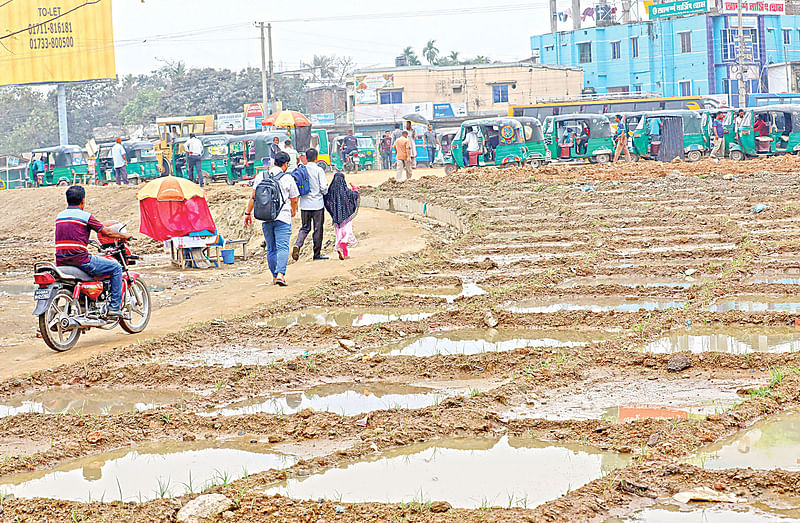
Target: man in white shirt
x=194 y=153
x=118 y=156
x=277 y=233
x=471 y=144
x=312 y=208
x=292 y=152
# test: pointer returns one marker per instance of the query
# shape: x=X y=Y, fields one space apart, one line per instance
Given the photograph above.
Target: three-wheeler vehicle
x=59 y=165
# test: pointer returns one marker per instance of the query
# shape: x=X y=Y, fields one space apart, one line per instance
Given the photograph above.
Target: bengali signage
x=322 y=119
x=229 y=122
x=367 y=86
x=449 y=110
x=679 y=8
x=772 y=7
x=51 y=42
x=253 y=116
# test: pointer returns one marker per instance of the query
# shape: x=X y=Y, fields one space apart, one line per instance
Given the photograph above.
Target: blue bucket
x=227 y=256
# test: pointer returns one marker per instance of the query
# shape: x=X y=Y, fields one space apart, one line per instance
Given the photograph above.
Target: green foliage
x=143 y=108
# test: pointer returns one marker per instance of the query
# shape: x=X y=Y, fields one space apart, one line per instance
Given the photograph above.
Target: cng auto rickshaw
x=767 y=131
x=533 y=136
x=170 y=129
x=446 y=137
x=142 y=163
x=241 y=158
x=665 y=135
x=213 y=162
x=263 y=143
x=320 y=142
x=366 y=153
x=579 y=136
x=60 y=165
x=500 y=142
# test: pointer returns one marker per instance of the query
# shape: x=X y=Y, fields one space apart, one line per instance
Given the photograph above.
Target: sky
x=222 y=34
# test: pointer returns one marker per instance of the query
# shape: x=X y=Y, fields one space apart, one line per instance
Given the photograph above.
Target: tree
x=430 y=51
x=322 y=68
x=411 y=56
x=143 y=108
x=454 y=57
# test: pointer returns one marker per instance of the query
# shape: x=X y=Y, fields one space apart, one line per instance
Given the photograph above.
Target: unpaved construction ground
x=581 y=344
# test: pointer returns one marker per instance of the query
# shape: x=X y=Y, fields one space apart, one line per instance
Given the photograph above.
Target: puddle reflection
x=345 y=317
x=728 y=340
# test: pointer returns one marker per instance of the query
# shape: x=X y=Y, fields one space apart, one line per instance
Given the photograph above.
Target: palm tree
x=430 y=51
x=480 y=59
x=322 y=67
x=453 y=57
x=411 y=56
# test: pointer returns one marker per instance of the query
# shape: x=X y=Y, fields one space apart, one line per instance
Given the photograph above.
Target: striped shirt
x=73 y=226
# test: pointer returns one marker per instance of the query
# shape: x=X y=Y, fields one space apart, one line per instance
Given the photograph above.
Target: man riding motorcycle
x=349 y=146
x=73 y=227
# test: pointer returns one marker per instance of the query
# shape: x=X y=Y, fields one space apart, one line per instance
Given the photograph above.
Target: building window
x=457 y=89
x=500 y=93
x=637 y=89
x=391 y=97
x=549 y=47
x=585 y=52
x=686 y=88
x=686 y=42
x=730 y=44
x=616 y=53
x=635 y=47
x=787 y=37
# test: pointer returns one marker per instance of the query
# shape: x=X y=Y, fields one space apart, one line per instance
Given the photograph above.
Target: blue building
x=682 y=56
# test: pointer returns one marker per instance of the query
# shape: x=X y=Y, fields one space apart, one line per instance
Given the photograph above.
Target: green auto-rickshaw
x=533 y=136
x=320 y=142
x=142 y=163
x=366 y=153
x=578 y=136
x=60 y=165
x=213 y=162
x=241 y=164
x=685 y=127
x=767 y=131
x=263 y=143
x=501 y=141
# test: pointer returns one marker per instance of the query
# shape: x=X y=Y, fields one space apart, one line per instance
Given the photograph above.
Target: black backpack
x=268 y=198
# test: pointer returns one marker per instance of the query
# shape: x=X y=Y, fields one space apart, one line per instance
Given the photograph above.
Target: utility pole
x=553 y=17
x=270 y=80
x=740 y=75
x=576 y=14
x=264 y=98
x=63 y=132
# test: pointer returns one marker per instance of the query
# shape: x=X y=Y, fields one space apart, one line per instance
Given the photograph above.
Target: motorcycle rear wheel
x=136 y=302
x=62 y=307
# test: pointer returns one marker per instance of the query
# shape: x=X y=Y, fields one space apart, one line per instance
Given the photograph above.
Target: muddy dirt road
x=626 y=332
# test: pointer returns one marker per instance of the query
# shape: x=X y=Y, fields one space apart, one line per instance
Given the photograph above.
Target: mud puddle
x=772 y=443
x=728 y=513
x=594 y=304
x=756 y=304
x=347 y=399
x=342 y=318
x=782 y=279
x=630 y=281
x=450 y=293
x=731 y=340
x=147 y=472
x=478 y=341
x=624 y=399
x=432 y=471
x=90 y=402
x=509 y=259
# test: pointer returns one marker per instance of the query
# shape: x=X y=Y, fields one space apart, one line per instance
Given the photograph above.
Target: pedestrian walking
x=412 y=144
x=342 y=201
x=386 y=151
x=194 y=154
x=621 y=139
x=278 y=230
x=120 y=159
x=292 y=152
x=312 y=208
x=403 y=157
x=431 y=143
x=397 y=133
x=718 y=133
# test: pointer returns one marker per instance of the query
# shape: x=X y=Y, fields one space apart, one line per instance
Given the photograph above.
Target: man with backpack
x=274 y=202
x=312 y=186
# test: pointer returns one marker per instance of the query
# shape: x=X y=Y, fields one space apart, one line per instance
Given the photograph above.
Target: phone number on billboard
x=51 y=28
x=58 y=42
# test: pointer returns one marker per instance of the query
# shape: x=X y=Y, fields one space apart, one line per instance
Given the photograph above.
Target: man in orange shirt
x=402 y=151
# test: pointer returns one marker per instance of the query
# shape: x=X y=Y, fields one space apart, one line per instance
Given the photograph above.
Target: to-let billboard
x=55 y=41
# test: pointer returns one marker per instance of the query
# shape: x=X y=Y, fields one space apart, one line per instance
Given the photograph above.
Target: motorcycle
x=351 y=162
x=69 y=302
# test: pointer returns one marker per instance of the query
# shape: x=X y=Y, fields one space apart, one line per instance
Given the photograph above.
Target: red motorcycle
x=70 y=302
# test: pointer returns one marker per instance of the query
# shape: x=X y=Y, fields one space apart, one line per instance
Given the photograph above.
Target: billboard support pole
x=63 y=132
x=740 y=76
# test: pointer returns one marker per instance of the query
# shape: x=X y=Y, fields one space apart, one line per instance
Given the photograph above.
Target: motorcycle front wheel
x=136 y=303
x=62 y=308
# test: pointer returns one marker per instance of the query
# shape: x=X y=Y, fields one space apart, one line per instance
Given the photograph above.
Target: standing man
x=312 y=208
x=274 y=148
x=288 y=149
x=397 y=133
x=412 y=143
x=471 y=144
x=739 y=119
x=386 y=151
x=194 y=153
x=718 y=133
x=278 y=232
x=431 y=143
x=403 y=157
x=120 y=162
x=621 y=139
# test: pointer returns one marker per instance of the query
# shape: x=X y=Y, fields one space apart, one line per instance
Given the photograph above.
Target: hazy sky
x=221 y=33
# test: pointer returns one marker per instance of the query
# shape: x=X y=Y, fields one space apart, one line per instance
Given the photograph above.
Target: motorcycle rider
x=349 y=146
x=73 y=227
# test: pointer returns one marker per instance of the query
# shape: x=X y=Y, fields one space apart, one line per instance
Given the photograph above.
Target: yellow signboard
x=52 y=41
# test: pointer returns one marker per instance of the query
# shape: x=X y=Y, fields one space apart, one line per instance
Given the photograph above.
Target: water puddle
x=782 y=279
x=772 y=443
x=623 y=399
x=630 y=281
x=502 y=472
x=348 y=317
x=146 y=472
x=598 y=304
x=509 y=259
x=731 y=340
x=713 y=247
x=347 y=399
x=728 y=513
x=478 y=341
x=16 y=288
x=90 y=402
x=756 y=304
x=449 y=293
